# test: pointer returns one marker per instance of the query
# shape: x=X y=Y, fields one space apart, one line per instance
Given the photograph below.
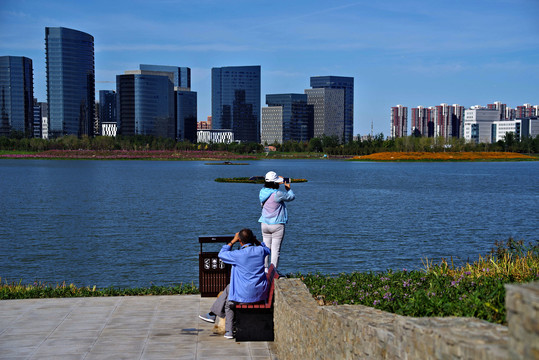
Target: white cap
x=272 y=177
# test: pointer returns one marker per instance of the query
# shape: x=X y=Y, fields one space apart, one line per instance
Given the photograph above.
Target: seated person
x=248 y=282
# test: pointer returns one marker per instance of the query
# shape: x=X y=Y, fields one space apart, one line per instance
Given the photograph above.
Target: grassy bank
x=441 y=289
x=204 y=155
x=43 y=290
x=210 y=155
x=473 y=290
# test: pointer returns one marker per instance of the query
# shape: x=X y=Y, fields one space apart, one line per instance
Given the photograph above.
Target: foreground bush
x=474 y=290
x=39 y=290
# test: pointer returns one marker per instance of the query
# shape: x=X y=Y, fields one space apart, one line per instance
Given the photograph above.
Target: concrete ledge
x=305 y=330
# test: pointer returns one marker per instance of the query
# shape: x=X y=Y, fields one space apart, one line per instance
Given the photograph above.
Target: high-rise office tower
x=287 y=117
x=182 y=75
x=40 y=116
x=186 y=115
x=185 y=104
x=107 y=108
x=16 y=95
x=399 y=121
x=145 y=103
x=328 y=110
x=347 y=84
x=70 y=81
x=236 y=101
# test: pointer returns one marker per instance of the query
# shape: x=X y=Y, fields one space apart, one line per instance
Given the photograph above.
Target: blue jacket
x=274 y=209
x=248 y=281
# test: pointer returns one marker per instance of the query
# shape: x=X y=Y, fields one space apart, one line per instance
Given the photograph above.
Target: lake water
x=136 y=223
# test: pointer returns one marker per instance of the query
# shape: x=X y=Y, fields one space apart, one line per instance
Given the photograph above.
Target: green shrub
x=40 y=290
x=474 y=290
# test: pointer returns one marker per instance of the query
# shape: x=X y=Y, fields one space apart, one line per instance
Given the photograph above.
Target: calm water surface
x=134 y=223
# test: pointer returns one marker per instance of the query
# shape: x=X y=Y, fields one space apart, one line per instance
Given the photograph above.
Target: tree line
x=326 y=144
x=374 y=144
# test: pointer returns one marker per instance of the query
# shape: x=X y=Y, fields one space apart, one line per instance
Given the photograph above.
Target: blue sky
x=417 y=52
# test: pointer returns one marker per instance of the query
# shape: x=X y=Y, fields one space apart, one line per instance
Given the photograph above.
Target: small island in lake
x=226 y=163
x=252 y=180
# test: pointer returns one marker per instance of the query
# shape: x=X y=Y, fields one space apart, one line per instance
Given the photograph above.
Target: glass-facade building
x=328 y=107
x=185 y=104
x=236 y=101
x=107 y=107
x=16 y=95
x=146 y=104
x=182 y=75
x=186 y=115
x=296 y=121
x=40 y=112
x=70 y=81
x=347 y=84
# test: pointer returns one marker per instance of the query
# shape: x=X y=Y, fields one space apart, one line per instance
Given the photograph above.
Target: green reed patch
x=474 y=290
x=41 y=290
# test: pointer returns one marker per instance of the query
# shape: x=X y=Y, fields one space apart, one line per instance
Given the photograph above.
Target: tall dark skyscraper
x=236 y=101
x=182 y=75
x=340 y=82
x=16 y=95
x=328 y=107
x=185 y=104
x=146 y=103
x=107 y=107
x=186 y=115
x=287 y=117
x=70 y=81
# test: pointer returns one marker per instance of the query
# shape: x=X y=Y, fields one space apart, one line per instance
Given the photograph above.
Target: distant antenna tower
x=372 y=131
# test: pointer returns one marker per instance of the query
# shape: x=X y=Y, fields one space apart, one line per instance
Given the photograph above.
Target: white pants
x=273 y=237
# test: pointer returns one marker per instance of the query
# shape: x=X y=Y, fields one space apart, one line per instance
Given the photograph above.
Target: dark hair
x=271 y=184
x=247 y=236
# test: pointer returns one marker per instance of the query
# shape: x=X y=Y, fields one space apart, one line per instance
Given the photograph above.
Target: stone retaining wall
x=304 y=330
x=522 y=303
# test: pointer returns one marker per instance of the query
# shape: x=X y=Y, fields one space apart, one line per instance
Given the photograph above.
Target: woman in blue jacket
x=274 y=214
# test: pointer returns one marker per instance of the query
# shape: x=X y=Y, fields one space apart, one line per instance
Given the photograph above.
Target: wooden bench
x=254 y=321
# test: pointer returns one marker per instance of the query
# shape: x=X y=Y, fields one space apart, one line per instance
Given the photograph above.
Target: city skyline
x=417 y=52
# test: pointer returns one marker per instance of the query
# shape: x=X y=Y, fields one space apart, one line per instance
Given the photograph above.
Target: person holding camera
x=274 y=213
x=248 y=282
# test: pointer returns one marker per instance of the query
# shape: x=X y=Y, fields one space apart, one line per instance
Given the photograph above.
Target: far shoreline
x=205 y=155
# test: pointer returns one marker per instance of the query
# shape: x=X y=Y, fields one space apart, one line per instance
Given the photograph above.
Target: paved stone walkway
x=137 y=327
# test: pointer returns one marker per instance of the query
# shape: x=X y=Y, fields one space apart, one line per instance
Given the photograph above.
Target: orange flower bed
x=443 y=156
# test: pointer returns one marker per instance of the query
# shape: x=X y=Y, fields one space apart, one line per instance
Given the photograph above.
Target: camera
x=286 y=180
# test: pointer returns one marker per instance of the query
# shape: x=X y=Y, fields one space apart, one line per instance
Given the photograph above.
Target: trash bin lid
x=215 y=238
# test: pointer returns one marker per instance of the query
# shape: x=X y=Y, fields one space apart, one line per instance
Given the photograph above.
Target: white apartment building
x=215 y=136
